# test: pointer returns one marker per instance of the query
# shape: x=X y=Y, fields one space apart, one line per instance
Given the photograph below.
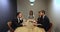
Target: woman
x=31 y=16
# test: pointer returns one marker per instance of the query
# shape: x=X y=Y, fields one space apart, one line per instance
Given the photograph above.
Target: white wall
x=24 y=6
x=54 y=13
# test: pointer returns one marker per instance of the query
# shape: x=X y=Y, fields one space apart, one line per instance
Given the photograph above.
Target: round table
x=25 y=29
x=29 y=27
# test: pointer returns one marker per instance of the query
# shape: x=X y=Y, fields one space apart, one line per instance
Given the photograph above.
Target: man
x=43 y=20
x=16 y=22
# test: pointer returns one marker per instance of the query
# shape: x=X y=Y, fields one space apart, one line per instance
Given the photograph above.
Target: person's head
x=19 y=14
x=41 y=13
x=30 y=12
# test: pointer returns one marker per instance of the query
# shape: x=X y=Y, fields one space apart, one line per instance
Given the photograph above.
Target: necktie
x=41 y=18
x=18 y=20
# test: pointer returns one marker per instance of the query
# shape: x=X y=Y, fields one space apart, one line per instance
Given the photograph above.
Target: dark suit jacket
x=45 y=22
x=15 y=23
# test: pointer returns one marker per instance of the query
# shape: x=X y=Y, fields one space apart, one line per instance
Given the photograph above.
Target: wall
x=54 y=13
x=8 y=9
x=24 y=6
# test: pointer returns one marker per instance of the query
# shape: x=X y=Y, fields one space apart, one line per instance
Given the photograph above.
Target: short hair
x=42 y=11
x=31 y=11
x=18 y=13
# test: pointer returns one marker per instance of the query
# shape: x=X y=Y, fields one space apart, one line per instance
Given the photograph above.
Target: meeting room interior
x=29 y=15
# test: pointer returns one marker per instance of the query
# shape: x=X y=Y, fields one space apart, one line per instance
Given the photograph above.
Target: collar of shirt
x=19 y=19
x=43 y=16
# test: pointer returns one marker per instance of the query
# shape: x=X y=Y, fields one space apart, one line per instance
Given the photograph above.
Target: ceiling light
x=32 y=0
x=31 y=4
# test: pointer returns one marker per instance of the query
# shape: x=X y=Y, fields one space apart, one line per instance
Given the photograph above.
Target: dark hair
x=31 y=12
x=18 y=13
x=42 y=11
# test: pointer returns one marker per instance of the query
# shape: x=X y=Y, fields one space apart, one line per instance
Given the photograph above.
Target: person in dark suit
x=43 y=20
x=16 y=22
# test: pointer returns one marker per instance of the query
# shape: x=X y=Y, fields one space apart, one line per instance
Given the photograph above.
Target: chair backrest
x=51 y=25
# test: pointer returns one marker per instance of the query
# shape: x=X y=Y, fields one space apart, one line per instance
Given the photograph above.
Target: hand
x=11 y=30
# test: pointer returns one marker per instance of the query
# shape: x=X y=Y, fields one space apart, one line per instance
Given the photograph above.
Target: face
x=31 y=13
x=20 y=15
x=40 y=14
